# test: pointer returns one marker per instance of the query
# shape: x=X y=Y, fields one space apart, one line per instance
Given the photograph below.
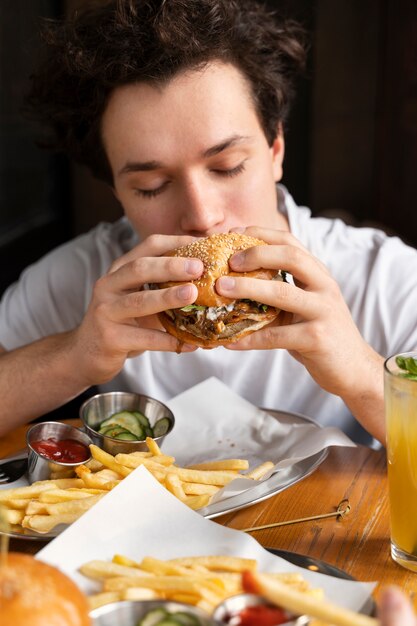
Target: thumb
x=395 y=608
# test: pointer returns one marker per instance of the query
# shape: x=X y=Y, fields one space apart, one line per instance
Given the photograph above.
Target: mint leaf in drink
x=409 y=365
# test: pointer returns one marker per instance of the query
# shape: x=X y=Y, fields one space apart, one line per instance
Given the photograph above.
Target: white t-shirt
x=377 y=275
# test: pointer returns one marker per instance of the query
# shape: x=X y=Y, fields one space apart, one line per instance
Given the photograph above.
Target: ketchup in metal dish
x=260 y=615
x=62 y=450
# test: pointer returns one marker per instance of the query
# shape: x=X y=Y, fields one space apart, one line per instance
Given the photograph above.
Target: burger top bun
x=215 y=252
x=33 y=593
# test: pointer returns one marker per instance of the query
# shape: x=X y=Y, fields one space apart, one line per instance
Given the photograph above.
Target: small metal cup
x=224 y=612
x=41 y=468
x=101 y=406
x=129 y=612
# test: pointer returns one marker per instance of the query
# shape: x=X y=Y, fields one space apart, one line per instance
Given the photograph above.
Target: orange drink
x=400 y=384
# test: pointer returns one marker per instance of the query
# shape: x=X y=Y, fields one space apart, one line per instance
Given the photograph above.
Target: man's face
x=191 y=158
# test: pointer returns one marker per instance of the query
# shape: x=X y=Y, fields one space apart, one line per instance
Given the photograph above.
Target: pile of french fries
x=206 y=581
x=46 y=504
x=203 y=581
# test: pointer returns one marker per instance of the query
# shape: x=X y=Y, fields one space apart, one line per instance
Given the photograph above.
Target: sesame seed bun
x=37 y=594
x=225 y=320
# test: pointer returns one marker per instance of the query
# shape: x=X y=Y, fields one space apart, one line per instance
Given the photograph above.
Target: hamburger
x=213 y=320
x=37 y=594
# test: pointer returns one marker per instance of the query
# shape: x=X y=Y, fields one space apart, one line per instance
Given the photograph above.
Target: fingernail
x=193 y=266
x=227 y=283
x=238 y=259
x=187 y=347
x=185 y=292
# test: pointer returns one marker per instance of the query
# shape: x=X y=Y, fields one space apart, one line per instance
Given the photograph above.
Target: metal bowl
x=101 y=406
x=41 y=468
x=228 y=610
x=128 y=612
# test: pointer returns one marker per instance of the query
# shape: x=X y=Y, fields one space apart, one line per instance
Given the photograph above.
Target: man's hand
x=121 y=319
x=317 y=327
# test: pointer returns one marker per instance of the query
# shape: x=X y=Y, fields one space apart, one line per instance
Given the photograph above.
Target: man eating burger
x=181 y=108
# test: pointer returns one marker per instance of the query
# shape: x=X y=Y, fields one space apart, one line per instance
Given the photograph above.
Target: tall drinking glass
x=400 y=384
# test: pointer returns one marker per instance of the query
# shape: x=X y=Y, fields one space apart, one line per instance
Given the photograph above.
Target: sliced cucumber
x=127 y=420
x=186 y=619
x=127 y=436
x=142 y=419
x=169 y=621
x=112 y=430
x=161 y=427
x=153 y=617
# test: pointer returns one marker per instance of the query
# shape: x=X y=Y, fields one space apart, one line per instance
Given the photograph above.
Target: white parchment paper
x=212 y=422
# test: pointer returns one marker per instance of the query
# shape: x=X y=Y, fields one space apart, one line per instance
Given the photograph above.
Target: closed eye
x=234 y=171
x=151 y=193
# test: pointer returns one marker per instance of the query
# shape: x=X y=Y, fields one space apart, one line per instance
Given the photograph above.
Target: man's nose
x=202 y=209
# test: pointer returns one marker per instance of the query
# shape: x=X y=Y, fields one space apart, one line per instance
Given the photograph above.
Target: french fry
x=45 y=523
x=139 y=593
x=158 y=567
x=153 y=446
x=198 y=489
x=100 y=599
x=124 y=560
x=14 y=516
x=174 y=485
x=197 y=502
x=301 y=603
x=25 y=492
x=133 y=460
x=108 y=461
x=63 y=495
x=61 y=483
x=225 y=464
x=107 y=569
x=18 y=503
x=219 y=563
x=259 y=472
x=73 y=506
x=91 y=481
x=35 y=507
x=219 y=478
x=93 y=465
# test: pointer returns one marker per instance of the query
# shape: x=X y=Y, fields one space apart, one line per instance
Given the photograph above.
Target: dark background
x=351 y=139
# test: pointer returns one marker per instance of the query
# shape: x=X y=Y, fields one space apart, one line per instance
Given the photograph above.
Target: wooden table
x=358 y=543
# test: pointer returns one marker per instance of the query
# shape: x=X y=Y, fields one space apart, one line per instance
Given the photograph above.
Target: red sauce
x=62 y=450
x=262 y=615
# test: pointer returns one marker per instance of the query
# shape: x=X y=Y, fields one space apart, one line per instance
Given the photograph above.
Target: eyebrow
x=148 y=166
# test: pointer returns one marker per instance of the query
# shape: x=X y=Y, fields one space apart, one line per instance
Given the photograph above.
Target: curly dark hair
x=112 y=43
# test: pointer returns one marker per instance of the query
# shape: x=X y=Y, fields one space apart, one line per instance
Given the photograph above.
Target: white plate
x=261 y=491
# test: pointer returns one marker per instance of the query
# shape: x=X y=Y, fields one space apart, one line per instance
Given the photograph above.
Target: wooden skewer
x=343 y=509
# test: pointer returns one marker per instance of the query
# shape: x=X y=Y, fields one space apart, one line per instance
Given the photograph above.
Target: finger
x=292 y=337
x=273 y=236
x=301 y=264
x=154 y=245
x=143 y=303
x=135 y=274
x=134 y=341
x=395 y=609
x=275 y=293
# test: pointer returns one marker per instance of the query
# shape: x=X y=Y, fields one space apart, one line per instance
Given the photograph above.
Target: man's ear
x=278 y=151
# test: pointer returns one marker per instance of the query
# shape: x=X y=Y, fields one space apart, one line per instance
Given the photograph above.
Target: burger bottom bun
x=33 y=593
x=184 y=336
